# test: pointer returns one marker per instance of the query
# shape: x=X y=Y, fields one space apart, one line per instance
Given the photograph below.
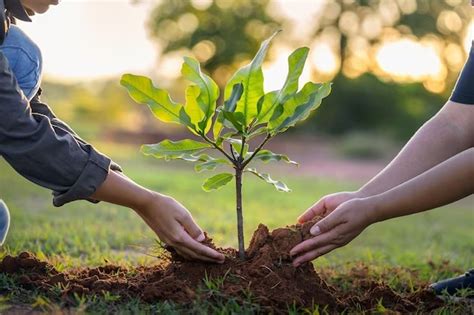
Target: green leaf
x=186 y=120
x=217 y=181
x=142 y=91
x=300 y=106
x=251 y=76
x=210 y=164
x=268 y=156
x=209 y=91
x=192 y=108
x=168 y=150
x=271 y=100
x=280 y=186
x=256 y=132
x=229 y=106
x=236 y=120
x=231 y=103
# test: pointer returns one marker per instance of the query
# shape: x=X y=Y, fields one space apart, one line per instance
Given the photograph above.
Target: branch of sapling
x=247 y=161
x=242 y=148
x=234 y=161
x=232 y=151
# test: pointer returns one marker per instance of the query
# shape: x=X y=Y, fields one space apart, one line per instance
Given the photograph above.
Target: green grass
x=82 y=233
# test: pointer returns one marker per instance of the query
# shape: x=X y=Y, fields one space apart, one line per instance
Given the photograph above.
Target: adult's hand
x=335 y=230
x=165 y=216
x=175 y=226
x=327 y=204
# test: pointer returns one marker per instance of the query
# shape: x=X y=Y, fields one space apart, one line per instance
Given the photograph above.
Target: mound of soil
x=267 y=273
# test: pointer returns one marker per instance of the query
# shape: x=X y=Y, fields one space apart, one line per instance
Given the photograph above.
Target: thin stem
x=241 y=157
x=219 y=148
x=232 y=151
x=244 y=164
x=240 y=218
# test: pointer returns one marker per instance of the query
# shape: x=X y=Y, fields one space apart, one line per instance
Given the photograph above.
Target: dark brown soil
x=267 y=274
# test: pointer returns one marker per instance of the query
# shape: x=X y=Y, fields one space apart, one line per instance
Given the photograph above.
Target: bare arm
x=447 y=182
x=449 y=132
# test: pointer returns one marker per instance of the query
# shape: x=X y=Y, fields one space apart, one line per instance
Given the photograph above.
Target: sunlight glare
x=469 y=37
x=275 y=73
x=323 y=58
x=408 y=59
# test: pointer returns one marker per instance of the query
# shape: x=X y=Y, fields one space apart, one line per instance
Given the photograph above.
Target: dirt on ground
x=267 y=273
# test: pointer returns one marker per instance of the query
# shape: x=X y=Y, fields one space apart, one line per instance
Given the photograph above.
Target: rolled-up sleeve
x=43 y=153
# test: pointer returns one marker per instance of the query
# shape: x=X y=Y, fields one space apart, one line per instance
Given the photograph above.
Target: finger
x=313 y=243
x=317 y=209
x=202 y=250
x=192 y=228
x=326 y=224
x=315 y=253
x=195 y=256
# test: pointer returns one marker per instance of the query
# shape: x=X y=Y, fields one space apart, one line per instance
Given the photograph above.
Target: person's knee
x=25 y=60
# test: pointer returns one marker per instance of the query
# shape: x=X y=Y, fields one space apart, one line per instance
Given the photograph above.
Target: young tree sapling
x=248 y=113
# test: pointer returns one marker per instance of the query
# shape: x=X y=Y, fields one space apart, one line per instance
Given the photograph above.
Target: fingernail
x=315 y=230
x=201 y=237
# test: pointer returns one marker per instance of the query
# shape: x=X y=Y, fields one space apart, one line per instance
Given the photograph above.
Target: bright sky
x=87 y=39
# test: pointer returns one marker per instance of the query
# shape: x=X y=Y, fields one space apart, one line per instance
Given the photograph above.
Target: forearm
x=447 y=182
x=442 y=137
x=120 y=190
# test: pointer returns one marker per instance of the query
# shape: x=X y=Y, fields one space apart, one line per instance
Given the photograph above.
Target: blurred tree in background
x=223 y=34
x=219 y=33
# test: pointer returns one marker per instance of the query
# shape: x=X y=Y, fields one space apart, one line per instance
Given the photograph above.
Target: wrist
x=362 y=193
x=146 y=200
x=372 y=206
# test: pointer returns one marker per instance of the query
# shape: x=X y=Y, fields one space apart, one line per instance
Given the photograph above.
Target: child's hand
x=337 y=229
x=174 y=225
x=326 y=205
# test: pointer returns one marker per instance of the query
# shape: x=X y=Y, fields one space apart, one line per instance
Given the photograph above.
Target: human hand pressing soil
x=170 y=220
x=175 y=226
x=327 y=204
x=335 y=230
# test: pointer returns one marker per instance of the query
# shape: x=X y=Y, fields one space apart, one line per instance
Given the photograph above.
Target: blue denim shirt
x=25 y=60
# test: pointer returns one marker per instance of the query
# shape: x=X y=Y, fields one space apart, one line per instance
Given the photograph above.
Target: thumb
x=326 y=224
x=192 y=228
x=317 y=209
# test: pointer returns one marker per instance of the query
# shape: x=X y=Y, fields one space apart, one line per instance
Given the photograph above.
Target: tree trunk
x=240 y=219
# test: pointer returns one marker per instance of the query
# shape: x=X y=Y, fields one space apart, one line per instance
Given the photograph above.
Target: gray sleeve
x=40 y=108
x=43 y=153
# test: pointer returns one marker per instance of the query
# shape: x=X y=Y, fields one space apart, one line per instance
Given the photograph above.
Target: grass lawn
x=82 y=233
